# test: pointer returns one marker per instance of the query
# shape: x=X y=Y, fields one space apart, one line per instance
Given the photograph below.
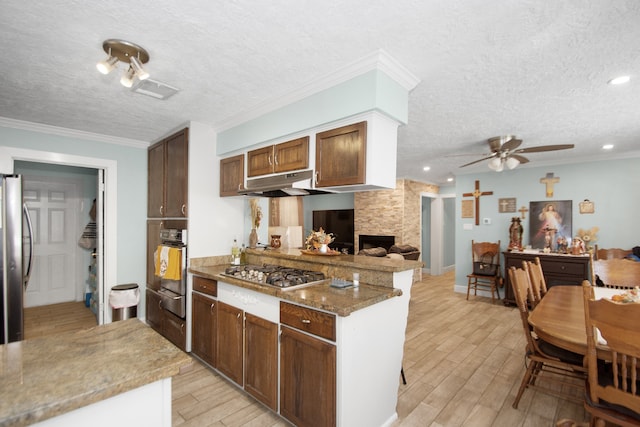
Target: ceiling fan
x=505 y=151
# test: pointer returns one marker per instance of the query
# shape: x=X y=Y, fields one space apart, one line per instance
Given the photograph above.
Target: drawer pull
x=212 y=307
x=306 y=321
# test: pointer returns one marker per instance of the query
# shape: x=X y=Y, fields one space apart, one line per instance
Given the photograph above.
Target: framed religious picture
x=507 y=204
x=549 y=222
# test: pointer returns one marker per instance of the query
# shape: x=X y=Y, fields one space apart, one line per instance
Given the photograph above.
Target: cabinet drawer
x=568 y=268
x=206 y=286
x=309 y=320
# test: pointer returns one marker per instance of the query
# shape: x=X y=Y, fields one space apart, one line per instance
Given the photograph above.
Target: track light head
x=140 y=72
x=127 y=78
x=107 y=65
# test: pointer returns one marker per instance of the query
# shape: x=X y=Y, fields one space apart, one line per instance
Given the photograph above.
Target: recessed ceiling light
x=607 y=146
x=450 y=179
x=426 y=168
x=619 y=80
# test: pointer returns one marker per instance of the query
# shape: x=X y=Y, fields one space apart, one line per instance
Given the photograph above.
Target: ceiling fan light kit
x=505 y=151
x=127 y=53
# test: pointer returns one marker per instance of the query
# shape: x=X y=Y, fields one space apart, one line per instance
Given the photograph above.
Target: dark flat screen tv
x=340 y=223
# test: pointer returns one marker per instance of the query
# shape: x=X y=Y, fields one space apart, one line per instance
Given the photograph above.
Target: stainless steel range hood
x=287 y=184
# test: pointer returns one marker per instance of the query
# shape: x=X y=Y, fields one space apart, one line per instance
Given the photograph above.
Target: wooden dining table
x=559 y=318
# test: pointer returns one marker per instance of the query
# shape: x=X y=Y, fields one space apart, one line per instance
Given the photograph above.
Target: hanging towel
x=174 y=266
x=168 y=263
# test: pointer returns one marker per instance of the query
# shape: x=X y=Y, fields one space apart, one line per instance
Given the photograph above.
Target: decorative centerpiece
x=589 y=237
x=256 y=216
x=319 y=241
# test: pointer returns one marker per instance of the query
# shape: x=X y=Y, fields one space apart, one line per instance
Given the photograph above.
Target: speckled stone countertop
x=323 y=296
x=46 y=377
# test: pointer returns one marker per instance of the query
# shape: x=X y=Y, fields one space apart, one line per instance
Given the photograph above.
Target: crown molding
x=379 y=60
x=71 y=133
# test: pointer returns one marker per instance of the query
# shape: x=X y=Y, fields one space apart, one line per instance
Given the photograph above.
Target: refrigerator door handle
x=27 y=275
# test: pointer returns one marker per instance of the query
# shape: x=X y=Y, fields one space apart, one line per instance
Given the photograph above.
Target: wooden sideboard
x=558 y=269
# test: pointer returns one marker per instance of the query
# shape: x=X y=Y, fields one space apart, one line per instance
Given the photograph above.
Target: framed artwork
x=549 y=221
x=507 y=205
x=467 y=209
x=586 y=207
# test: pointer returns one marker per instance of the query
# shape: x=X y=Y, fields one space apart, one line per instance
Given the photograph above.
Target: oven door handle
x=168 y=294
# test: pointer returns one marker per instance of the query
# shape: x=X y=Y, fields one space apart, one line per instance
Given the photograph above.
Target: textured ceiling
x=536 y=69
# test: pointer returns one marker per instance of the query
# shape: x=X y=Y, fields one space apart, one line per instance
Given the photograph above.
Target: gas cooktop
x=275 y=275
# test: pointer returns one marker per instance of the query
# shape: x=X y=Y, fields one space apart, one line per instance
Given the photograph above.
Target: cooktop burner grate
x=274 y=275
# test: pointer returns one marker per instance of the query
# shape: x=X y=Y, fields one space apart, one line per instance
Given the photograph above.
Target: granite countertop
x=46 y=377
x=380 y=264
x=323 y=296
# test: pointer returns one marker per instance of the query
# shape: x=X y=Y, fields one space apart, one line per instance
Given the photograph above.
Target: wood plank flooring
x=56 y=318
x=463 y=360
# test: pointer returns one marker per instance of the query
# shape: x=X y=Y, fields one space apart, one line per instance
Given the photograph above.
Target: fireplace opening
x=366 y=241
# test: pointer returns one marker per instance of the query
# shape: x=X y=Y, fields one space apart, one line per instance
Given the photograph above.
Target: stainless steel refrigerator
x=16 y=253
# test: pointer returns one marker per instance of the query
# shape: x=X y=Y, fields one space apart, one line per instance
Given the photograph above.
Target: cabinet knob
x=316 y=178
x=161 y=210
x=183 y=209
x=306 y=321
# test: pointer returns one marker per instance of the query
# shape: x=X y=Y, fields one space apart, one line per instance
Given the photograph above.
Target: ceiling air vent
x=154 y=89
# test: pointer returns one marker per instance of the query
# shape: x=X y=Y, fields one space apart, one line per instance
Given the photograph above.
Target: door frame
x=106 y=276
x=437 y=238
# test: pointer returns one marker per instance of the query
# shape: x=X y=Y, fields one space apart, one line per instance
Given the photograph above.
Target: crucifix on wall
x=548 y=181
x=476 y=194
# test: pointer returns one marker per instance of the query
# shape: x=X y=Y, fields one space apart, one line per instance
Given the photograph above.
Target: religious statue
x=515 y=234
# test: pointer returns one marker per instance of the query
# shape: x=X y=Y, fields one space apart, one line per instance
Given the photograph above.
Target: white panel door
x=54 y=208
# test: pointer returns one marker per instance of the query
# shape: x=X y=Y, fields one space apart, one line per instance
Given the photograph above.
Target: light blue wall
x=132 y=190
x=373 y=90
x=612 y=186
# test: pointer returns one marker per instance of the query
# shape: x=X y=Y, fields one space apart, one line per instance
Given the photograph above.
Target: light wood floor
x=463 y=360
x=55 y=318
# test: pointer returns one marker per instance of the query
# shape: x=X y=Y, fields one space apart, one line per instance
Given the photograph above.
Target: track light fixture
x=128 y=53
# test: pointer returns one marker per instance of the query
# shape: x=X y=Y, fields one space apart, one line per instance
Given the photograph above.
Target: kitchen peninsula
x=327 y=356
x=122 y=369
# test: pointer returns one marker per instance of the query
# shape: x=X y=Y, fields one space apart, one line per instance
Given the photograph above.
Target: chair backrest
x=619 y=325
x=536 y=279
x=520 y=283
x=480 y=249
x=612 y=253
x=617 y=273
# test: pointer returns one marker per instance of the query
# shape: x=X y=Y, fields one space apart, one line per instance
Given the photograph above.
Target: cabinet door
x=153 y=310
x=174 y=329
x=292 y=155
x=231 y=175
x=176 y=174
x=204 y=327
x=260 y=161
x=230 y=342
x=307 y=379
x=153 y=240
x=340 y=156
x=155 y=180
x=261 y=360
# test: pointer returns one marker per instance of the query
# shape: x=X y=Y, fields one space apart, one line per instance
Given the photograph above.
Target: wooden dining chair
x=550 y=369
x=616 y=273
x=536 y=279
x=486 y=268
x=613 y=386
x=611 y=253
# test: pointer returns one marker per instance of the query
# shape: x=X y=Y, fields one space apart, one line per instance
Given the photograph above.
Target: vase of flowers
x=319 y=240
x=256 y=216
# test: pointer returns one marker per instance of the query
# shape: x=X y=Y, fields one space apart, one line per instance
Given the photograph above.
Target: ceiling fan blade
x=511 y=144
x=544 y=148
x=521 y=159
x=479 y=160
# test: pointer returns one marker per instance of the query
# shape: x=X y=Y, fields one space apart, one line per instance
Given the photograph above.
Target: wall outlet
x=486 y=221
